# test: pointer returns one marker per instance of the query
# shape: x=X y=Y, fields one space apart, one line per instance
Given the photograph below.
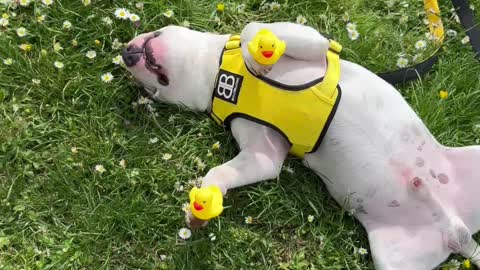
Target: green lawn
x=57 y=125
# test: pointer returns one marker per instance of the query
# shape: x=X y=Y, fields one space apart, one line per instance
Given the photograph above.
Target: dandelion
x=443 y=94
x=212 y=237
x=74 y=150
x=122 y=13
x=216 y=146
x=351 y=27
x=58 y=64
x=465 y=40
x=451 y=33
x=301 y=19
x=166 y=156
x=420 y=45
x=139 y=5
x=36 y=81
x=97 y=42
x=107 y=77
x=220 y=7
x=467 y=264
x=310 y=218
x=100 y=169
x=362 y=251
x=117 y=60
x=24 y=3
x=4 y=22
x=91 y=54
x=86 y=2
x=248 y=220
x=345 y=17
x=168 y=13
x=21 y=32
x=57 y=47
x=67 y=25
x=43 y=52
x=184 y=233
x=402 y=62
x=47 y=2
x=122 y=163
x=40 y=18
x=107 y=21
x=8 y=61
x=353 y=35
x=275 y=6
x=134 y=17
x=26 y=47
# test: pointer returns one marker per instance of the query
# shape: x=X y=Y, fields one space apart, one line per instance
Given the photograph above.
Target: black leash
x=467 y=18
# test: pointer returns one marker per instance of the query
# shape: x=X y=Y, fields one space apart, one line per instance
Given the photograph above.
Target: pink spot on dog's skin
x=419 y=162
x=443 y=178
x=432 y=173
x=404 y=172
x=417 y=182
x=394 y=203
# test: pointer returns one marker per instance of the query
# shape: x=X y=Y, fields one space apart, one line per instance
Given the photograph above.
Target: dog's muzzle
x=131 y=55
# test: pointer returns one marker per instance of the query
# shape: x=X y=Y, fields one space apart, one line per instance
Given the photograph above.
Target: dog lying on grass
x=416 y=198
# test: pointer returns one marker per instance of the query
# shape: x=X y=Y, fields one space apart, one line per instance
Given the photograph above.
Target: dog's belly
x=378 y=158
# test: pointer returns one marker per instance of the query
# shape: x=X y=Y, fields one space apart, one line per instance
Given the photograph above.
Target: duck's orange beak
x=197 y=206
x=267 y=54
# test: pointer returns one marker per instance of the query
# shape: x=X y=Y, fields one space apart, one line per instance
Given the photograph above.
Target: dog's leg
x=262 y=153
x=303 y=42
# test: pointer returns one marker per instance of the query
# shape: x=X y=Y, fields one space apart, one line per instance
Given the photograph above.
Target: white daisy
x=116 y=44
x=139 y=5
x=310 y=218
x=200 y=164
x=144 y=100
x=135 y=172
x=107 y=20
x=416 y=58
x=217 y=20
x=362 y=251
x=168 y=13
x=107 y=77
x=117 y=60
x=8 y=61
x=184 y=233
x=24 y=3
x=404 y=19
x=21 y=32
x=153 y=140
x=86 y=2
x=241 y=8
x=40 y=18
x=47 y=2
x=426 y=21
x=402 y=62
x=465 y=40
x=57 y=47
x=67 y=25
x=100 y=169
x=166 y=156
x=472 y=7
x=451 y=33
x=275 y=6
x=212 y=237
x=36 y=81
x=353 y=35
x=134 y=17
x=346 y=17
x=4 y=22
x=420 y=45
x=249 y=220
x=301 y=19
x=216 y=146
x=58 y=64
x=351 y=27
x=91 y=54
x=74 y=150
x=163 y=257
x=288 y=169
x=122 y=13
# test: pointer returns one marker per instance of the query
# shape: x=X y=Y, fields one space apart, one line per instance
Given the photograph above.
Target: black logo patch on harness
x=228 y=86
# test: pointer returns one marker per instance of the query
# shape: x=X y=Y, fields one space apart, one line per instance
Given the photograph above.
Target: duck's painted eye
x=273 y=45
x=204 y=201
x=261 y=47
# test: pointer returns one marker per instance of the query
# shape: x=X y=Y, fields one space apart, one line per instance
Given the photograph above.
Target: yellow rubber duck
x=266 y=48
x=206 y=203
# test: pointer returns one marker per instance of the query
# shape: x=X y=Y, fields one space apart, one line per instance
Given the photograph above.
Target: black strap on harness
x=465 y=13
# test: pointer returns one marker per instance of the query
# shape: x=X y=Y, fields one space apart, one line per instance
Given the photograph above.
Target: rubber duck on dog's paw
x=206 y=203
x=266 y=48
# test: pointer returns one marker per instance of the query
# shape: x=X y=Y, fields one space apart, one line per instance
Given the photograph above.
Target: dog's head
x=170 y=64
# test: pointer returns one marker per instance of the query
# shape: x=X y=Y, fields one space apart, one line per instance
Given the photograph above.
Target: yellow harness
x=300 y=113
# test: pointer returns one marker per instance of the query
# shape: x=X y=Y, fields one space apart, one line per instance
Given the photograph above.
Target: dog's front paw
x=193 y=222
x=255 y=67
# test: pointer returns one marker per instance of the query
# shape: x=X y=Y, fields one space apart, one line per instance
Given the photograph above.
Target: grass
x=59 y=213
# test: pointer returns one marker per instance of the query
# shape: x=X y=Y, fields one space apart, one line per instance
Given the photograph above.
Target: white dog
x=417 y=199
